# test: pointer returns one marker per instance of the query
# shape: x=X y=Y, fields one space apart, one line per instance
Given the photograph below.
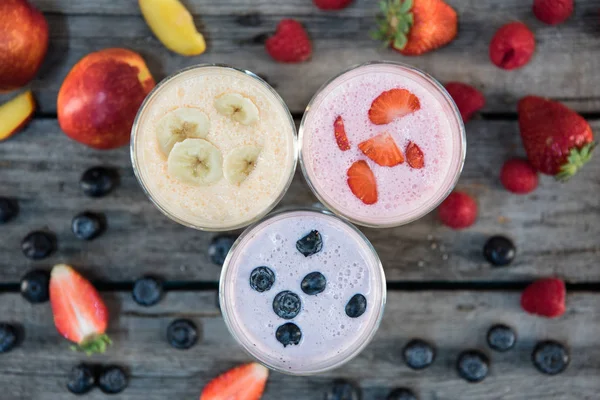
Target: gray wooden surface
x=556 y=229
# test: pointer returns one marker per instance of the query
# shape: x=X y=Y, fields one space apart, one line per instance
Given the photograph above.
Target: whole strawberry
x=518 y=176
x=512 y=46
x=558 y=141
x=414 y=27
x=290 y=43
x=553 y=12
x=545 y=297
x=468 y=99
x=458 y=211
x=332 y=4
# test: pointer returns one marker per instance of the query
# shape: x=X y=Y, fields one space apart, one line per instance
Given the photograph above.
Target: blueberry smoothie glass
x=302 y=291
x=382 y=144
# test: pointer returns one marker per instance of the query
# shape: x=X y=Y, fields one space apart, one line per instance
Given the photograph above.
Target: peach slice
x=15 y=114
x=173 y=25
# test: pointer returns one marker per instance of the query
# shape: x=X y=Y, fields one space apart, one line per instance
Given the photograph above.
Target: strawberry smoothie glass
x=382 y=144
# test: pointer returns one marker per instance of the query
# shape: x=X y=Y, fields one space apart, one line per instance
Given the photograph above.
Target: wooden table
x=440 y=287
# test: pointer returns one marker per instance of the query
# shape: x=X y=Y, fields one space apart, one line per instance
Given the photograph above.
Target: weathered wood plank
x=564 y=66
x=556 y=229
x=453 y=321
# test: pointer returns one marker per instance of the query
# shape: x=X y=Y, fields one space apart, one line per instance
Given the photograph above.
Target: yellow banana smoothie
x=214 y=147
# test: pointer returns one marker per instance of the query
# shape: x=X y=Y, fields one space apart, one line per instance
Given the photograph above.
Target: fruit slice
x=79 y=312
x=246 y=382
x=196 y=162
x=237 y=107
x=240 y=162
x=392 y=104
x=415 y=156
x=340 y=134
x=362 y=182
x=173 y=25
x=180 y=124
x=383 y=150
x=15 y=114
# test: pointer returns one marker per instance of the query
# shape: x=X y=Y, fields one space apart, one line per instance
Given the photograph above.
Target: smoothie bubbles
x=214 y=147
x=382 y=144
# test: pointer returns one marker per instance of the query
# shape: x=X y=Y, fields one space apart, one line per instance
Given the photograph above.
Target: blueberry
x=501 y=338
x=288 y=334
x=313 y=283
x=262 y=279
x=98 y=181
x=182 y=334
x=287 y=304
x=81 y=379
x=310 y=244
x=8 y=337
x=88 y=225
x=550 y=357
x=112 y=380
x=343 y=390
x=356 y=306
x=147 y=291
x=499 y=251
x=418 y=354
x=38 y=245
x=219 y=247
x=9 y=209
x=472 y=366
x=401 y=394
x=34 y=286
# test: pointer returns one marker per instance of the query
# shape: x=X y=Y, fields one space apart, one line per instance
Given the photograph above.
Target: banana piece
x=238 y=107
x=240 y=163
x=179 y=125
x=196 y=162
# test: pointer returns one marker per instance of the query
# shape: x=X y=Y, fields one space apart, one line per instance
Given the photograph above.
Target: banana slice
x=180 y=124
x=196 y=162
x=238 y=107
x=240 y=163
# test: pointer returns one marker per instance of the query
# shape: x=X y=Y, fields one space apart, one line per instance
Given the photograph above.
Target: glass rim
x=442 y=196
x=378 y=266
x=135 y=162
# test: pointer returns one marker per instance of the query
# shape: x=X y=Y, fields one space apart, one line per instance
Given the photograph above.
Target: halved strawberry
x=392 y=104
x=79 y=312
x=415 y=156
x=362 y=182
x=246 y=382
x=383 y=150
x=340 y=134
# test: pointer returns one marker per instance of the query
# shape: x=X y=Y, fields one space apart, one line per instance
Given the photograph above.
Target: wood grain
x=555 y=229
x=564 y=67
x=453 y=321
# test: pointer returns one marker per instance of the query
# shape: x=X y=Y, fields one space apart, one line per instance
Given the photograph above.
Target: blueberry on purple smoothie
x=262 y=279
x=473 y=366
x=401 y=394
x=287 y=304
x=219 y=247
x=356 y=306
x=8 y=337
x=418 y=354
x=288 y=334
x=550 y=357
x=81 y=379
x=38 y=245
x=88 y=225
x=501 y=338
x=343 y=389
x=147 y=291
x=499 y=251
x=9 y=209
x=112 y=380
x=182 y=334
x=313 y=283
x=98 y=181
x=310 y=244
x=35 y=286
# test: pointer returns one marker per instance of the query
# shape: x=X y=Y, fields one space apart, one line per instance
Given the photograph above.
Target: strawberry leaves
x=576 y=159
x=395 y=23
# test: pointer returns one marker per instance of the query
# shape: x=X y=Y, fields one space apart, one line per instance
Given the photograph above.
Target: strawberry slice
x=392 y=104
x=383 y=150
x=340 y=134
x=246 y=382
x=79 y=312
x=362 y=182
x=415 y=156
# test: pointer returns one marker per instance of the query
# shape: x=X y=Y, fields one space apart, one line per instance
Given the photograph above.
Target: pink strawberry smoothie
x=404 y=194
x=329 y=337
